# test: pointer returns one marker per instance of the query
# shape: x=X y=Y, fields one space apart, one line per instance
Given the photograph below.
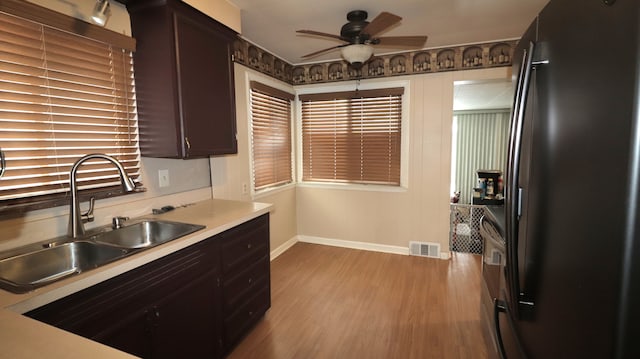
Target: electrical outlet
x=163 y=178
x=245 y=188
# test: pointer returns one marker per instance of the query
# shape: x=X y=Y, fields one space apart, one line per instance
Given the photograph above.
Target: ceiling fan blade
x=322 y=51
x=318 y=33
x=407 y=41
x=381 y=23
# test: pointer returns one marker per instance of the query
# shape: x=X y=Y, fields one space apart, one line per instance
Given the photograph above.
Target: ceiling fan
x=359 y=35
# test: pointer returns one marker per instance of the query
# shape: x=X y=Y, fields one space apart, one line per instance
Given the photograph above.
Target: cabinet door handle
x=186 y=141
x=249 y=246
x=250 y=280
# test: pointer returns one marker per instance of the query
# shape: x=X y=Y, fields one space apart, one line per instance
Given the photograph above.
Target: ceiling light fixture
x=101 y=12
x=357 y=54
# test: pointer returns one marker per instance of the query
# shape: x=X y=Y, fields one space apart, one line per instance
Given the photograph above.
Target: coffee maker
x=489 y=190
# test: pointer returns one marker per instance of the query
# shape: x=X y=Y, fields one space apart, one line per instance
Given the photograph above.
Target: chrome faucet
x=76 y=219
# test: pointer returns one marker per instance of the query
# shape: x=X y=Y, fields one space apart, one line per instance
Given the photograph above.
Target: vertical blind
x=62 y=96
x=481 y=143
x=271 y=136
x=352 y=137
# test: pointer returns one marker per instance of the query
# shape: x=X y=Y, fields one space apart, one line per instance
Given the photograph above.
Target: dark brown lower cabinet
x=172 y=307
x=182 y=324
x=246 y=284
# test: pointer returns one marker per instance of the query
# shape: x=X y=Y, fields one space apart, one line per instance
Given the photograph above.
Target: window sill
x=353 y=187
x=273 y=190
x=17 y=208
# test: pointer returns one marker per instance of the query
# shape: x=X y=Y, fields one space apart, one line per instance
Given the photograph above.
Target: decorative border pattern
x=485 y=55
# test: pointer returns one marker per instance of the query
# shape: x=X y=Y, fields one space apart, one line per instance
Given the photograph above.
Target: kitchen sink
x=33 y=266
x=145 y=234
x=28 y=271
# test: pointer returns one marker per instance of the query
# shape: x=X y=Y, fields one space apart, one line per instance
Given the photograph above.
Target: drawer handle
x=250 y=314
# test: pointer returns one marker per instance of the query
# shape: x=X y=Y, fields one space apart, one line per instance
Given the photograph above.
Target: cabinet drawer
x=244 y=245
x=238 y=323
x=238 y=289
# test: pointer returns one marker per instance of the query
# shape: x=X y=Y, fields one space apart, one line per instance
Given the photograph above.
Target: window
x=62 y=96
x=270 y=136
x=352 y=137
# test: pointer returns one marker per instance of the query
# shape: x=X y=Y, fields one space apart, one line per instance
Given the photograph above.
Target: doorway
x=479 y=141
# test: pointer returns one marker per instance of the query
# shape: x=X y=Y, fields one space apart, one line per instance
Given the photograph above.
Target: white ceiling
x=271 y=24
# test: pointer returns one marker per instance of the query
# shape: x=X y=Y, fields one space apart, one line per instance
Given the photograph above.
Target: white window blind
x=62 y=96
x=271 y=136
x=352 y=137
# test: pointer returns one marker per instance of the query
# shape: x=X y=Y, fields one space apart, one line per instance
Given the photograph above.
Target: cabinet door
x=187 y=321
x=156 y=83
x=132 y=336
x=206 y=88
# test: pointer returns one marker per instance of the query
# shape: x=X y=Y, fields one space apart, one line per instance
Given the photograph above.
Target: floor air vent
x=424 y=249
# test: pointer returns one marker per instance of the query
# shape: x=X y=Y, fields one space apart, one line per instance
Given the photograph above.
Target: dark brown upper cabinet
x=184 y=81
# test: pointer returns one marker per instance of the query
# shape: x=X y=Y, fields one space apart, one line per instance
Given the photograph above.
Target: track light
x=101 y=12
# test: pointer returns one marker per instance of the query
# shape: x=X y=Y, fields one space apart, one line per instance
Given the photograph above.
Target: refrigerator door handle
x=515 y=347
x=499 y=307
x=514 y=193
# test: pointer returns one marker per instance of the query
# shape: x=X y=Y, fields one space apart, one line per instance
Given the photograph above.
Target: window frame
x=404 y=144
x=66 y=24
x=250 y=78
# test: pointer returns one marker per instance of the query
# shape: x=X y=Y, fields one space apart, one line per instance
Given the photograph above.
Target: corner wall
x=230 y=173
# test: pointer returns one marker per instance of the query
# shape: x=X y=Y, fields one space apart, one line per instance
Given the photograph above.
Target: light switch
x=163 y=178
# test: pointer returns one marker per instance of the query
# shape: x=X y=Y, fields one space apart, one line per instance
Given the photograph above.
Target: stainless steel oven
x=494 y=256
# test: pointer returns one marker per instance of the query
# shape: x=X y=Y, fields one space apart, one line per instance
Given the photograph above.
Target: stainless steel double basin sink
x=33 y=266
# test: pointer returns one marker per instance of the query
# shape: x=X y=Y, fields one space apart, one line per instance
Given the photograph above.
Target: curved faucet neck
x=76 y=220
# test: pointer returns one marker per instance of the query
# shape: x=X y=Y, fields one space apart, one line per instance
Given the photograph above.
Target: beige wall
x=229 y=174
x=386 y=219
x=419 y=213
x=82 y=9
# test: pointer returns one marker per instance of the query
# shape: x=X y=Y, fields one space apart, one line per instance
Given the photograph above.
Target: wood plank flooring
x=330 y=302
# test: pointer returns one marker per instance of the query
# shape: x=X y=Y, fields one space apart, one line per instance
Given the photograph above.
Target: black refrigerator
x=571 y=283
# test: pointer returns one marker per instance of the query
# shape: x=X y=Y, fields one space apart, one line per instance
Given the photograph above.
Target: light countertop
x=23 y=337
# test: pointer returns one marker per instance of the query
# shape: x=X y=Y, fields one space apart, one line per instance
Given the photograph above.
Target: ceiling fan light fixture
x=357 y=54
x=101 y=12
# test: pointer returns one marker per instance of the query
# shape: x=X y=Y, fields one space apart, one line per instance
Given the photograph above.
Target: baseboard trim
x=384 y=248
x=283 y=248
